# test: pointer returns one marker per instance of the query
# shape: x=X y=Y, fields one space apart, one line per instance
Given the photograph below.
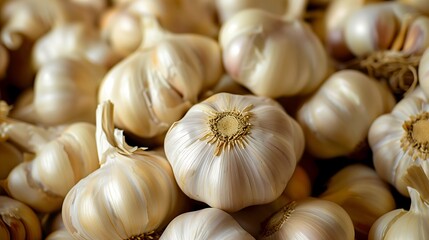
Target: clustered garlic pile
x=214 y=119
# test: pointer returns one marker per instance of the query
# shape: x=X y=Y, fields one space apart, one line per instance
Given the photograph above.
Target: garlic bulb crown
x=232 y=151
x=132 y=195
x=271 y=56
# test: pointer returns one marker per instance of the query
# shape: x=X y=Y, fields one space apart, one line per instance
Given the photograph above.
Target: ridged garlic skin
x=337 y=117
x=207 y=223
x=399 y=139
x=271 y=56
x=132 y=193
x=232 y=151
x=161 y=83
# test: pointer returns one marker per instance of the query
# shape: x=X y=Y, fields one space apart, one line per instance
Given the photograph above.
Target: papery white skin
x=384 y=137
x=313 y=218
x=337 y=117
x=18 y=221
x=153 y=88
x=207 y=223
x=133 y=192
x=238 y=177
x=271 y=56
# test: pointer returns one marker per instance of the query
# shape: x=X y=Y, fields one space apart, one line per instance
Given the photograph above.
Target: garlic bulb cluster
x=208 y=223
x=310 y=218
x=30 y=19
x=76 y=40
x=131 y=196
x=362 y=194
x=161 y=83
x=287 y=8
x=65 y=91
x=272 y=56
x=399 y=139
x=403 y=224
x=337 y=117
x=10 y=157
x=59 y=159
x=232 y=151
x=18 y=221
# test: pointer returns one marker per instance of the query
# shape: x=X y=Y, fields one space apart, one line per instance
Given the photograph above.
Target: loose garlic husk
x=310 y=218
x=10 y=157
x=77 y=40
x=131 y=196
x=207 y=223
x=65 y=91
x=403 y=224
x=272 y=56
x=362 y=194
x=30 y=19
x=287 y=8
x=337 y=117
x=161 y=83
x=399 y=139
x=60 y=158
x=232 y=151
x=18 y=221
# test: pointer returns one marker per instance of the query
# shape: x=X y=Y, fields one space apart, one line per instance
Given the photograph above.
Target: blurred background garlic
x=399 y=139
x=207 y=223
x=423 y=73
x=362 y=194
x=286 y=8
x=65 y=91
x=407 y=224
x=421 y=5
x=10 y=156
x=299 y=185
x=57 y=160
x=57 y=230
x=272 y=56
x=18 y=221
x=309 y=218
x=337 y=117
x=233 y=151
x=161 y=83
x=132 y=195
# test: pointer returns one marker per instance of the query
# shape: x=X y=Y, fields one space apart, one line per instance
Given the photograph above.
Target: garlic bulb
x=161 y=83
x=208 y=223
x=65 y=91
x=30 y=19
x=18 y=221
x=337 y=117
x=77 y=40
x=272 y=56
x=362 y=194
x=10 y=156
x=232 y=151
x=59 y=160
x=399 y=139
x=310 y=218
x=403 y=224
x=421 y=5
x=288 y=8
x=131 y=196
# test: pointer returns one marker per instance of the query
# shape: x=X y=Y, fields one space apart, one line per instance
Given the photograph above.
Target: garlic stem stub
x=232 y=151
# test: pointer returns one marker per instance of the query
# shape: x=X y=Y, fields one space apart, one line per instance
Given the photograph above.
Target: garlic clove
x=208 y=223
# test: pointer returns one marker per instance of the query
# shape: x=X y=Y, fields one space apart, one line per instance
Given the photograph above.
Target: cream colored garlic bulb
x=77 y=40
x=310 y=218
x=30 y=19
x=60 y=158
x=18 y=221
x=363 y=195
x=407 y=224
x=207 y=223
x=131 y=196
x=272 y=56
x=10 y=157
x=288 y=8
x=399 y=139
x=161 y=83
x=232 y=151
x=65 y=91
x=337 y=117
